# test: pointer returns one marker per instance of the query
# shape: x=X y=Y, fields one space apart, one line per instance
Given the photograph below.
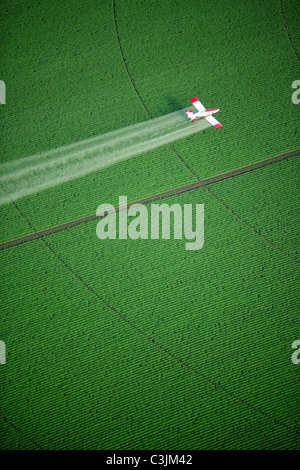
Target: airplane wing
x=213 y=121
x=199 y=106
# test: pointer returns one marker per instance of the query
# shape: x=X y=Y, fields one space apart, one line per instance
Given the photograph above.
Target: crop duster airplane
x=202 y=112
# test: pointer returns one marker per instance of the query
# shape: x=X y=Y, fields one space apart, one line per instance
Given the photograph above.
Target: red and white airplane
x=202 y=112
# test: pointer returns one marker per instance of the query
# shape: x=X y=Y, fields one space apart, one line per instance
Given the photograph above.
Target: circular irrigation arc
x=229 y=393
x=211 y=193
x=136 y=330
x=287 y=30
x=138 y=93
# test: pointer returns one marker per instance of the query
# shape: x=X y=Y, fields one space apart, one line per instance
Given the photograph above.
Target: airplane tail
x=191 y=115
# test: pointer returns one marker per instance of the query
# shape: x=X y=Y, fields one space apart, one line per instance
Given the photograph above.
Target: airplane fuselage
x=207 y=112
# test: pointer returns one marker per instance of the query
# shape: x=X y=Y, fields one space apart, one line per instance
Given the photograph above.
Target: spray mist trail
x=32 y=174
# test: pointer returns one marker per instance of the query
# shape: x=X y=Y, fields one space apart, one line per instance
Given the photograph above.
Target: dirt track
x=166 y=194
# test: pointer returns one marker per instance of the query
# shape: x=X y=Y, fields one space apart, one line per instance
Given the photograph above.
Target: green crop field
x=142 y=344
